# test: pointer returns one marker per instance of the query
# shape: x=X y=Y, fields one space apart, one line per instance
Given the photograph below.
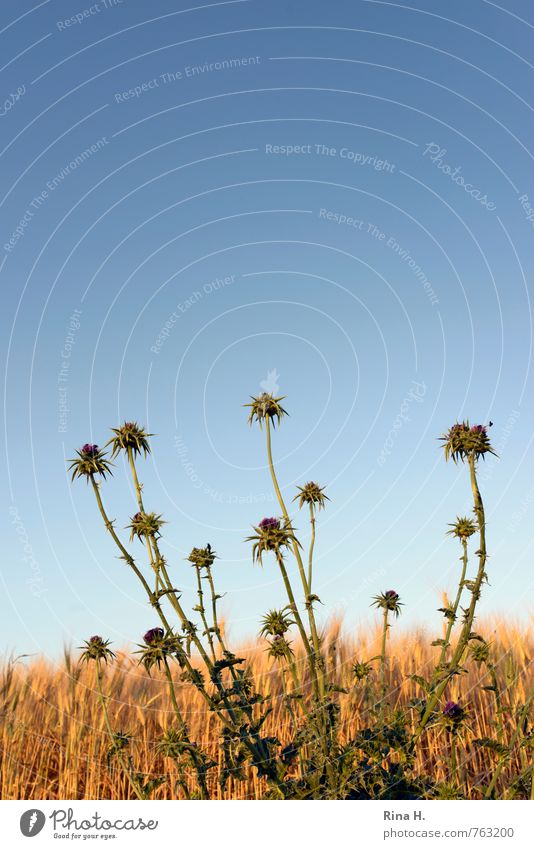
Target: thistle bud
x=266 y=406
x=96 y=648
x=463 y=528
x=130 y=436
x=311 y=493
x=388 y=601
x=145 y=525
x=202 y=558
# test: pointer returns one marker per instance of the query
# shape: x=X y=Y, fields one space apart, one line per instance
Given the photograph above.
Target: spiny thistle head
x=463 y=528
x=480 y=651
x=453 y=715
x=145 y=525
x=173 y=743
x=279 y=647
x=361 y=670
x=130 y=436
x=157 y=646
x=266 y=406
x=463 y=441
x=390 y=600
x=311 y=493
x=90 y=461
x=275 y=623
x=202 y=558
x=96 y=648
x=271 y=535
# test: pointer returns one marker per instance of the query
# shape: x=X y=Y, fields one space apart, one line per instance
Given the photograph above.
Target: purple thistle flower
x=391 y=594
x=153 y=635
x=270 y=522
x=89 y=449
x=452 y=710
x=95 y=639
x=137 y=517
x=478 y=429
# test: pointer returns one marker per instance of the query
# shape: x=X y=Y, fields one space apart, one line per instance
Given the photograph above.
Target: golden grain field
x=54 y=745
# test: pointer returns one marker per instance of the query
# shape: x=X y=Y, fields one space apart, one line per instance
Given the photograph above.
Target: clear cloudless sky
x=333 y=201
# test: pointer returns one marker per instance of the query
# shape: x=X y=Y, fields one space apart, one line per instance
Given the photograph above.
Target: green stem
x=455 y=607
x=296 y=613
x=202 y=611
x=103 y=702
x=216 y=626
x=317 y=673
x=312 y=546
x=137 y=485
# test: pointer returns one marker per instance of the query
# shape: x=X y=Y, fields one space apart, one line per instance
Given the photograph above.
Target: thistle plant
x=389 y=603
x=466 y=444
x=187 y=648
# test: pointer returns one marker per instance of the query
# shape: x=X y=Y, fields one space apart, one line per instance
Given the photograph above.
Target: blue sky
x=334 y=201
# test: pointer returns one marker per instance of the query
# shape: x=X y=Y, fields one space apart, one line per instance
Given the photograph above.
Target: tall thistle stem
x=383 y=684
x=465 y=633
x=317 y=667
x=126 y=556
x=296 y=613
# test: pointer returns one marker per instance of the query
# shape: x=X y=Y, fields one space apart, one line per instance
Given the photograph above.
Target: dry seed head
x=311 y=493
x=266 y=406
x=129 y=436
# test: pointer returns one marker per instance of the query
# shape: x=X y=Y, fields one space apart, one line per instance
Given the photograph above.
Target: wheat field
x=54 y=745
